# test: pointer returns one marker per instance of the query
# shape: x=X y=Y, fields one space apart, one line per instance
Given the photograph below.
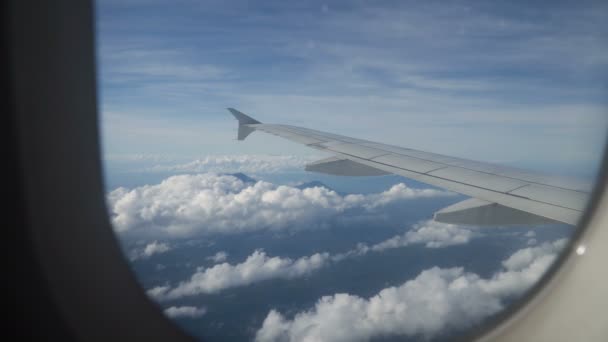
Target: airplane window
x=347 y=171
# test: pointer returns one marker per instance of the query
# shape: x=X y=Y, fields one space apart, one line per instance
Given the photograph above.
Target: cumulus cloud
x=141 y=157
x=256 y=164
x=158 y=292
x=150 y=249
x=186 y=205
x=524 y=257
x=531 y=235
x=257 y=267
x=185 y=311
x=437 y=300
x=430 y=233
x=218 y=257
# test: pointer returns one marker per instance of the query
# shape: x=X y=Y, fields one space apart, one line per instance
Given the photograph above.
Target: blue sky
x=516 y=83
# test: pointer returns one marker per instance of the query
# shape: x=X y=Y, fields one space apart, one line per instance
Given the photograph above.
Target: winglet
x=244 y=122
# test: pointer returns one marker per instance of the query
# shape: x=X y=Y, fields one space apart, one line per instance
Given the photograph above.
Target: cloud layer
x=218 y=257
x=149 y=250
x=260 y=267
x=184 y=311
x=430 y=233
x=251 y=164
x=187 y=205
x=437 y=300
x=257 y=267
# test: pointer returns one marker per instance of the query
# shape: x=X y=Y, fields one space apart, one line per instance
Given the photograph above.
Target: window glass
x=468 y=138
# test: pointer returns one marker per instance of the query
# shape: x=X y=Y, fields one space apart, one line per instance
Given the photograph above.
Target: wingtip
x=233 y=112
x=243 y=118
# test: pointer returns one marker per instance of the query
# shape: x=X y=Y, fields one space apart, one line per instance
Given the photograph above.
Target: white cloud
x=523 y=269
x=430 y=233
x=185 y=311
x=395 y=193
x=251 y=164
x=531 y=235
x=141 y=157
x=520 y=259
x=435 y=301
x=156 y=248
x=186 y=205
x=150 y=249
x=258 y=267
x=158 y=291
x=218 y=257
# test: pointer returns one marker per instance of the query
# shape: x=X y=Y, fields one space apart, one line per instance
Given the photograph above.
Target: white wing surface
x=501 y=195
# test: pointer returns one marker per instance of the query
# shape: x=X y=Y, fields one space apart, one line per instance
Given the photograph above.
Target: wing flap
x=474 y=211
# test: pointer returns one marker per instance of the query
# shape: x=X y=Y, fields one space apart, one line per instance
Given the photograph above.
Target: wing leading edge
x=501 y=195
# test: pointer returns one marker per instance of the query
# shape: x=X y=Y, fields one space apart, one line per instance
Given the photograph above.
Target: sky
x=235 y=242
x=515 y=83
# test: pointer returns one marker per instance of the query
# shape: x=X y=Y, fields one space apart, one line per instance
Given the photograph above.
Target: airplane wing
x=500 y=195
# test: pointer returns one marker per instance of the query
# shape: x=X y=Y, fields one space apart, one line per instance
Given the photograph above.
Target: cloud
x=430 y=233
x=524 y=257
x=187 y=205
x=251 y=164
x=257 y=267
x=158 y=292
x=437 y=300
x=141 y=157
x=260 y=267
x=150 y=249
x=218 y=257
x=185 y=311
x=155 y=248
